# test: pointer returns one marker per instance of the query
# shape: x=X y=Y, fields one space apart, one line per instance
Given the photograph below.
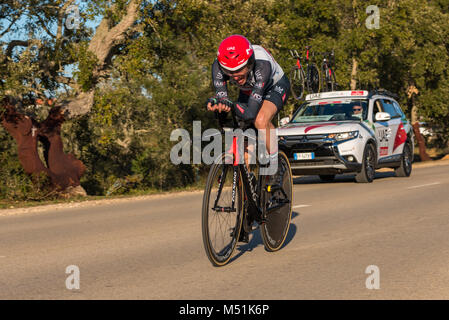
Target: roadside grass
x=434 y=153
x=13 y=204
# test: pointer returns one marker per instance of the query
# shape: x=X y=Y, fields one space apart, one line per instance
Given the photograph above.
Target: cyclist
x=264 y=88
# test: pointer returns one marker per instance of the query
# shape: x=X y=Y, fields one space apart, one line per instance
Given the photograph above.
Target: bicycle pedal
x=273 y=188
x=244 y=237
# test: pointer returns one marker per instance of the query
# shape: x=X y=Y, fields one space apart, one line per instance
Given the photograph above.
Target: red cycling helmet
x=234 y=53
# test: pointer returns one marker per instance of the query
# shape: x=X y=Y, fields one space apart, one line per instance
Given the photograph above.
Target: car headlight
x=343 y=135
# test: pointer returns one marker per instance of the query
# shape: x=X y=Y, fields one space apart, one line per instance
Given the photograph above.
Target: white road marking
x=424 y=185
x=302 y=206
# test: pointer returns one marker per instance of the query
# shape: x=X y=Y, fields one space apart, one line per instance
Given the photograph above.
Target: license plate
x=304 y=156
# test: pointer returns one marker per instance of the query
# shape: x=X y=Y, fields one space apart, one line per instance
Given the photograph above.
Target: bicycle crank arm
x=282 y=203
x=274 y=188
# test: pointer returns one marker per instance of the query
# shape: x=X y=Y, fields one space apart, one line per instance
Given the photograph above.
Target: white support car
x=348 y=132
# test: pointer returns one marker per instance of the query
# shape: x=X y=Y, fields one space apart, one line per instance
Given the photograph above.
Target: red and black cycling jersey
x=265 y=73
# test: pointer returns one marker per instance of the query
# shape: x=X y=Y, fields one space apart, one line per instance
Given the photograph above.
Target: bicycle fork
x=221 y=181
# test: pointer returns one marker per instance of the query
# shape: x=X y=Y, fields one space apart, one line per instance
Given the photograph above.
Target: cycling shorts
x=277 y=94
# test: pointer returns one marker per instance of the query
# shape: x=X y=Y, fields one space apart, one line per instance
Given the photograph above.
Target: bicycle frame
x=328 y=63
x=307 y=69
x=298 y=57
x=252 y=192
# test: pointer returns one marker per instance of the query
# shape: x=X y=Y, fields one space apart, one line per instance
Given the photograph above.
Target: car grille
x=310 y=163
x=305 y=138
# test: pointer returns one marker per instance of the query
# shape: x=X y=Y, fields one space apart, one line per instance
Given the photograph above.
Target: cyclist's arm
x=219 y=81
x=262 y=74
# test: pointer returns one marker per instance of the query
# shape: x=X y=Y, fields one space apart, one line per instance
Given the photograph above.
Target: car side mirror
x=284 y=121
x=382 y=116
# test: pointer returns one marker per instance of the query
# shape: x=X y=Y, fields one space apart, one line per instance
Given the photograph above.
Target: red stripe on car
x=318 y=126
x=401 y=137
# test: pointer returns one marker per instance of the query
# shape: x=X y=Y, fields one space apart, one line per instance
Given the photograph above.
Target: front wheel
x=313 y=79
x=277 y=222
x=366 y=175
x=221 y=215
x=297 y=82
x=406 y=162
x=328 y=79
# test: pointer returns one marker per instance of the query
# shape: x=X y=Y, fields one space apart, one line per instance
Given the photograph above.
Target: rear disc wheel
x=275 y=229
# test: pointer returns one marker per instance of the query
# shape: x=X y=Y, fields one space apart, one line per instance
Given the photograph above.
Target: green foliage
x=160 y=78
x=86 y=63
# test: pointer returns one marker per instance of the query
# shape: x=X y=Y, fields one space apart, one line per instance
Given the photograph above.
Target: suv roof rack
x=384 y=92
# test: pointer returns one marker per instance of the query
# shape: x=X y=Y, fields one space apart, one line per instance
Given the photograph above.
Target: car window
x=398 y=109
x=332 y=110
x=389 y=108
x=377 y=107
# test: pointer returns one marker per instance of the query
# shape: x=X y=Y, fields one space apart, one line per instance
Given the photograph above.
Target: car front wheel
x=366 y=175
x=406 y=162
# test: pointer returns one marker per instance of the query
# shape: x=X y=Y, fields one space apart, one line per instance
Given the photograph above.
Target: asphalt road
x=152 y=249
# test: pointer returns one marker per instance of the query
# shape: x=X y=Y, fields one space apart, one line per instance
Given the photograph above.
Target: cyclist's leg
x=264 y=125
x=273 y=102
x=248 y=149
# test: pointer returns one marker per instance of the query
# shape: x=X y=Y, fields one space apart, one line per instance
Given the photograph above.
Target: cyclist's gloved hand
x=225 y=105
x=226 y=102
x=219 y=104
x=211 y=104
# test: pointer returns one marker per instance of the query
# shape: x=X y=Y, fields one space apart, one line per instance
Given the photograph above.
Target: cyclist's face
x=239 y=76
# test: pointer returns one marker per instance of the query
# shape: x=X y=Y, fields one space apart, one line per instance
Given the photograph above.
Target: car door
x=382 y=131
x=403 y=132
x=396 y=133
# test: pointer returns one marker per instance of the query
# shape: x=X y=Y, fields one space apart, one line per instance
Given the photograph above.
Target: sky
x=21 y=35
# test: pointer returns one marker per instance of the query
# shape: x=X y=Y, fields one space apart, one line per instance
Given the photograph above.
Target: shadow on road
x=339 y=178
x=256 y=239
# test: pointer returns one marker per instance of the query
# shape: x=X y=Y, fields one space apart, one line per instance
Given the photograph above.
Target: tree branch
x=15 y=43
x=44 y=26
x=106 y=39
x=61 y=14
x=103 y=45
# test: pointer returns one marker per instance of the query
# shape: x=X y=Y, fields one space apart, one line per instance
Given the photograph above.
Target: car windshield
x=332 y=110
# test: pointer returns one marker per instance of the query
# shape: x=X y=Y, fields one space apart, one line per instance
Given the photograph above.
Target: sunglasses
x=357 y=109
x=236 y=73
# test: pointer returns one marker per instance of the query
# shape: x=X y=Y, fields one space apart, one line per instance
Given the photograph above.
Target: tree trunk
x=411 y=92
x=103 y=46
x=63 y=169
x=421 y=143
x=414 y=114
x=354 y=74
x=24 y=130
